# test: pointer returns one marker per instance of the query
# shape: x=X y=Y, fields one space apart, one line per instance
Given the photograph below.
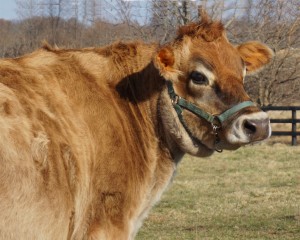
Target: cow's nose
x=256 y=129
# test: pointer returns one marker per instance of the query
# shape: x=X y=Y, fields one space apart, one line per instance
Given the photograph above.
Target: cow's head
x=204 y=69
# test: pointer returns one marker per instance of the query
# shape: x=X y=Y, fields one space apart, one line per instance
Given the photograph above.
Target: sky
x=8 y=9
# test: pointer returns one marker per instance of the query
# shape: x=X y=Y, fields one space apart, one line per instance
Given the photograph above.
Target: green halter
x=216 y=120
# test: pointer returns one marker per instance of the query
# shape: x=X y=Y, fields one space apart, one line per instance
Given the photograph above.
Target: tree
x=78 y=23
x=92 y=11
x=277 y=23
x=54 y=11
x=168 y=15
x=28 y=8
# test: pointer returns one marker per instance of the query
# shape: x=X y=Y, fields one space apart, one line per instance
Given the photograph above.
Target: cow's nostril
x=249 y=127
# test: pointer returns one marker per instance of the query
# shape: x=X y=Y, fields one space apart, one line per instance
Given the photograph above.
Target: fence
x=292 y=120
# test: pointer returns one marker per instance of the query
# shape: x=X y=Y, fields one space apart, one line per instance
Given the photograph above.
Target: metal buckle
x=174 y=101
x=218 y=150
x=215 y=128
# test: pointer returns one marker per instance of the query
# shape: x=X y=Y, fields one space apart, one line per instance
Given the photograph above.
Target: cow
x=91 y=138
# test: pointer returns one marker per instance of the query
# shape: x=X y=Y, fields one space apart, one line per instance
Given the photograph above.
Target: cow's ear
x=255 y=55
x=165 y=61
x=166 y=57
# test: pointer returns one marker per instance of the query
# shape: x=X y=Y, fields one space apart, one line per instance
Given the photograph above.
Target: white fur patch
x=244 y=73
x=205 y=71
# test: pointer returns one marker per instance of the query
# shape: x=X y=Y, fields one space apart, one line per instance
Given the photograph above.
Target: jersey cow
x=91 y=138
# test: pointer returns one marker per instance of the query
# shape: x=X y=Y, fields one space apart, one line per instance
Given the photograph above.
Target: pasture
x=251 y=193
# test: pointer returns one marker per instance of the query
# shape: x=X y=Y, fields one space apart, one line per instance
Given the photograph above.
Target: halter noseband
x=216 y=121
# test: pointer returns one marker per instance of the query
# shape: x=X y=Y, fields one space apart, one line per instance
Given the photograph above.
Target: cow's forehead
x=220 y=56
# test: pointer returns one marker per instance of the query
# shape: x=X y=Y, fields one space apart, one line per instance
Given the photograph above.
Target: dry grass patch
x=252 y=193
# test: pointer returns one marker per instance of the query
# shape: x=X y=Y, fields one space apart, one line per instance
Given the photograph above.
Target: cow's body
x=90 y=140
x=74 y=145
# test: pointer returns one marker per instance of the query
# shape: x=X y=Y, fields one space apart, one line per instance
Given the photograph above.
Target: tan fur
x=255 y=55
x=89 y=138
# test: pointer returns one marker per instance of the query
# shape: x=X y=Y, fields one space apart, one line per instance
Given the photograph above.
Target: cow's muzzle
x=256 y=129
x=248 y=128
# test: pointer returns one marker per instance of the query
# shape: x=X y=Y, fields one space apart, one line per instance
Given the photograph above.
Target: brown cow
x=91 y=138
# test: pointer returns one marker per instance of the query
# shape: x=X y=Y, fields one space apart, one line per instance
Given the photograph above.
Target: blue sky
x=8 y=9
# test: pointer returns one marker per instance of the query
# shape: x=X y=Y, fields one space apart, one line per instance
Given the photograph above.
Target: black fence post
x=294 y=128
x=292 y=120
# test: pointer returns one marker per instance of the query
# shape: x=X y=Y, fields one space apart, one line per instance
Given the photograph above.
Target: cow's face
x=209 y=72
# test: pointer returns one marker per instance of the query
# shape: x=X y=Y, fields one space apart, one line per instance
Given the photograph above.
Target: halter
x=216 y=121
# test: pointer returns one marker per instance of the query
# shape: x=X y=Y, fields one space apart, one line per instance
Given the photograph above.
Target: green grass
x=252 y=193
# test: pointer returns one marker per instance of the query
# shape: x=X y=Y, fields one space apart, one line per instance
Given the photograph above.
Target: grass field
x=252 y=193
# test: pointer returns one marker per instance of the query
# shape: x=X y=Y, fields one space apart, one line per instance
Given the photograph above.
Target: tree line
x=85 y=23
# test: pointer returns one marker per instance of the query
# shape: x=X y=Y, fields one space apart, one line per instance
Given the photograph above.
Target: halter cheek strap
x=216 y=120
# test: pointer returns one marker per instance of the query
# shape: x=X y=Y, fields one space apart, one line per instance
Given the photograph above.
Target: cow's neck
x=149 y=86
x=141 y=85
x=167 y=138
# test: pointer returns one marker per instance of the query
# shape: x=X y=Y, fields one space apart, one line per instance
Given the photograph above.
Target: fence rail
x=293 y=133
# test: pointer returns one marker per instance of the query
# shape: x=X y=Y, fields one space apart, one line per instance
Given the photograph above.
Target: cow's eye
x=198 y=78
